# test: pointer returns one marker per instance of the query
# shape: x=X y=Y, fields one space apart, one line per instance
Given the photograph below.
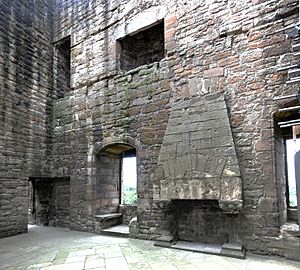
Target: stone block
x=214 y=72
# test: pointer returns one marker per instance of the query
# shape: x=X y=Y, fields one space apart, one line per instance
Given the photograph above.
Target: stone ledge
x=290 y=229
x=105 y=221
x=229 y=250
x=104 y=217
x=233 y=250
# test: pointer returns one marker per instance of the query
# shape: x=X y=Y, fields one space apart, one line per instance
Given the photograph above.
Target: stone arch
x=114 y=147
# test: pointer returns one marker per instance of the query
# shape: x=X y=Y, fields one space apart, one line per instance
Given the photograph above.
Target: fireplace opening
x=49 y=201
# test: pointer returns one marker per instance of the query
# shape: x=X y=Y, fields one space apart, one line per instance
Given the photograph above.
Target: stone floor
x=55 y=249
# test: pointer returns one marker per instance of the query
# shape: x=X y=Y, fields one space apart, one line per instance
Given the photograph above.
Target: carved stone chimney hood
x=198 y=159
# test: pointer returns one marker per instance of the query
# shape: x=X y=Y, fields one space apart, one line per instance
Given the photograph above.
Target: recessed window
x=292 y=147
x=144 y=47
x=62 y=67
x=129 y=180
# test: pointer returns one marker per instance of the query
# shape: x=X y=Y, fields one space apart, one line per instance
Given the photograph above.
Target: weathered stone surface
x=25 y=105
x=214 y=72
x=210 y=47
x=197 y=169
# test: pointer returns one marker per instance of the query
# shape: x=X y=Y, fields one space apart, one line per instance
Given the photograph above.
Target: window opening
x=129 y=180
x=292 y=147
x=144 y=47
x=62 y=71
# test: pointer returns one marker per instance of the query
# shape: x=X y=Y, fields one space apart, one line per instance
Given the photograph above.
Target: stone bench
x=104 y=221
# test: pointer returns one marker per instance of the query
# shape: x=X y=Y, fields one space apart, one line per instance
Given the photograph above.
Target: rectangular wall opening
x=144 y=47
x=49 y=201
x=287 y=145
x=292 y=147
x=129 y=179
x=62 y=67
x=116 y=184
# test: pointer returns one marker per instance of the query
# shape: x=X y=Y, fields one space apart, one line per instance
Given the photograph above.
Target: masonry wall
x=25 y=95
x=227 y=48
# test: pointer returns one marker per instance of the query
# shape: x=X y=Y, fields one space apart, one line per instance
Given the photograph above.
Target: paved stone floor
x=55 y=249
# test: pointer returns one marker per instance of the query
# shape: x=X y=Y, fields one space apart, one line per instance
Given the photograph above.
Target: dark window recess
x=63 y=66
x=144 y=47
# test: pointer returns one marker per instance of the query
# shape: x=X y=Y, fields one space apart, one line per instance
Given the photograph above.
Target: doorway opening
x=116 y=191
x=287 y=144
x=292 y=147
x=116 y=178
x=49 y=201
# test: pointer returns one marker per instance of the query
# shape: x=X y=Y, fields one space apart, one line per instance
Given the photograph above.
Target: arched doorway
x=115 y=184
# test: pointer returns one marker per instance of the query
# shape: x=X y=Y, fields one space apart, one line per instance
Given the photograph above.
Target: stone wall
x=128 y=213
x=25 y=98
x=225 y=47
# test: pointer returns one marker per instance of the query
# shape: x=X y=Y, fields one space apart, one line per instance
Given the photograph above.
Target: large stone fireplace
x=197 y=159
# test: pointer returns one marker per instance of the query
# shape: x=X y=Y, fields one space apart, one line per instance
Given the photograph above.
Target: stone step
x=229 y=250
x=164 y=241
x=233 y=250
x=121 y=230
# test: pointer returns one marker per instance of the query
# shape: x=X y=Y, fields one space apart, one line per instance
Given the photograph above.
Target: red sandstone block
x=185 y=91
x=170 y=26
x=229 y=61
x=213 y=72
x=255 y=35
x=262 y=146
x=267 y=42
x=170 y=33
x=170 y=20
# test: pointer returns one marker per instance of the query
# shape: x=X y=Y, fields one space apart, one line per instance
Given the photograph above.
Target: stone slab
x=108 y=216
x=233 y=250
x=121 y=230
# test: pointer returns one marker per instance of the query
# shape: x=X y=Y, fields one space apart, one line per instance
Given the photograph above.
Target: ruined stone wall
x=25 y=95
x=226 y=47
